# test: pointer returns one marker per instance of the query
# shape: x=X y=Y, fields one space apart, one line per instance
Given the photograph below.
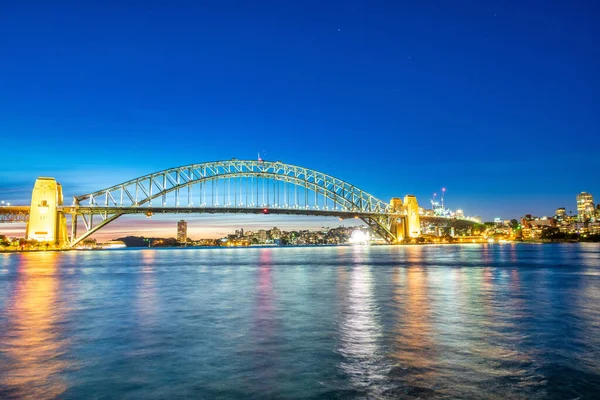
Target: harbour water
x=509 y=321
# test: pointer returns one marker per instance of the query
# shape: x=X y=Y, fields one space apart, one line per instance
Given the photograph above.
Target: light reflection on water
x=360 y=332
x=491 y=322
x=31 y=345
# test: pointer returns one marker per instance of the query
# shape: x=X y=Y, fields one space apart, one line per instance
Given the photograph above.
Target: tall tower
x=45 y=223
x=409 y=224
x=585 y=207
x=413 y=221
x=398 y=225
x=182 y=231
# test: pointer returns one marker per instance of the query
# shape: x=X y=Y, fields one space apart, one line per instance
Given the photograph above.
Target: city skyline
x=486 y=101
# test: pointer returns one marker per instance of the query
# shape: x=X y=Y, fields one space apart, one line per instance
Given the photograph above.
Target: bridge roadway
x=216 y=210
x=21 y=213
x=14 y=213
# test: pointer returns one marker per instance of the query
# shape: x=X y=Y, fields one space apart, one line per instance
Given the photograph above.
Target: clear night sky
x=495 y=100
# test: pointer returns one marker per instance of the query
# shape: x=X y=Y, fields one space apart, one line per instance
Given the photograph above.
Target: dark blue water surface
x=472 y=322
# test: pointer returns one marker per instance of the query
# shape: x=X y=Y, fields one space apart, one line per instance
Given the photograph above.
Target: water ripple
x=413 y=322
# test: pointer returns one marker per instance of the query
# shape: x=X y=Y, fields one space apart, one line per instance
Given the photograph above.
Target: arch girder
x=345 y=203
x=176 y=178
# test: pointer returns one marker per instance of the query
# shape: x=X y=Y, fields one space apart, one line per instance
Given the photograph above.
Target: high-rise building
x=561 y=213
x=585 y=206
x=182 y=231
x=262 y=235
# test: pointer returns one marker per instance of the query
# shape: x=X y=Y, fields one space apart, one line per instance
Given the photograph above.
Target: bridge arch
x=178 y=189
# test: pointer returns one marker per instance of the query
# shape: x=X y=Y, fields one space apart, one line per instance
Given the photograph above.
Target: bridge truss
x=14 y=214
x=234 y=186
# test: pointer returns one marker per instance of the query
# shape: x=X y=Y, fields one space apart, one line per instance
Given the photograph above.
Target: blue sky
x=497 y=101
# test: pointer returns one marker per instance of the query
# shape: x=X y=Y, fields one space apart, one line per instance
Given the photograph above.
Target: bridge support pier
x=73 y=227
x=46 y=224
x=408 y=225
x=413 y=221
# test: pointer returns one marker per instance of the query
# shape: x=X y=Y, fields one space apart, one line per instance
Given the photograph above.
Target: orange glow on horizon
x=205 y=227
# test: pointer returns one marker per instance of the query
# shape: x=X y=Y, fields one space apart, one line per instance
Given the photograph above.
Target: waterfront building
x=113 y=244
x=532 y=228
x=182 y=231
x=585 y=207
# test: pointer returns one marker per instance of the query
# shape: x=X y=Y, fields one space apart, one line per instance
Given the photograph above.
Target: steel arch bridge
x=233 y=186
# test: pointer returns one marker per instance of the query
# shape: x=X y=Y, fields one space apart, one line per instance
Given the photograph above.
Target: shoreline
x=7 y=251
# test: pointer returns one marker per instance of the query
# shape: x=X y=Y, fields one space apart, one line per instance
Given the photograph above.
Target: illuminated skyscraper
x=182 y=231
x=585 y=206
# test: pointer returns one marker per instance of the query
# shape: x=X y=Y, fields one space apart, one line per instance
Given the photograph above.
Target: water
x=471 y=322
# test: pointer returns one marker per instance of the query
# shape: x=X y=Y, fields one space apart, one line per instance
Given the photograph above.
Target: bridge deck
x=216 y=210
x=20 y=213
x=14 y=213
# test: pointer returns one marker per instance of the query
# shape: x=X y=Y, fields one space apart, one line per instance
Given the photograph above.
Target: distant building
x=585 y=207
x=182 y=231
x=262 y=235
x=275 y=233
x=533 y=228
x=543 y=222
x=560 y=213
x=113 y=244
